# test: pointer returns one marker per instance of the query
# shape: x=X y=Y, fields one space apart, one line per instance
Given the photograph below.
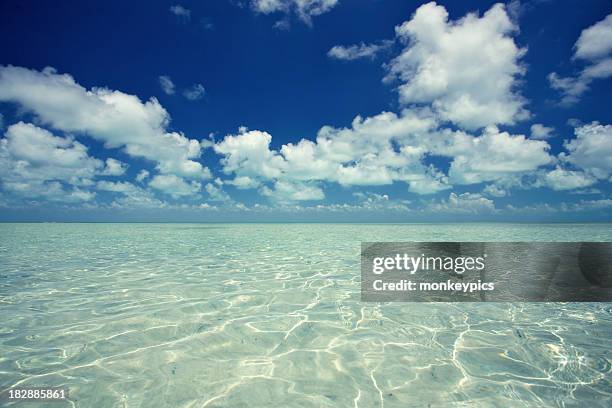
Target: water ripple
x=269 y=315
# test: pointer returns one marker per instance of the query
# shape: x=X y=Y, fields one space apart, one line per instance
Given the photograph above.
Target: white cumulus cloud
x=114 y=167
x=594 y=42
x=142 y=175
x=595 y=48
x=284 y=191
x=371 y=152
x=194 y=92
x=357 y=51
x=305 y=9
x=243 y=182
x=381 y=150
x=562 y=179
x=36 y=163
x=166 y=84
x=117 y=119
x=175 y=186
x=539 y=131
x=216 y=193
x=466 y=69
x=181 y=12
x=591 y=149
x=467 y=203
x=116 y=186
x=494 y=155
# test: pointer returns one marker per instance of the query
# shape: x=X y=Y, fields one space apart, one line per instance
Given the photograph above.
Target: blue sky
x=311 y=110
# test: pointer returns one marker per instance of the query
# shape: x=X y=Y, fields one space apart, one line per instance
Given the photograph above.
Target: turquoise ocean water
x=269 y=315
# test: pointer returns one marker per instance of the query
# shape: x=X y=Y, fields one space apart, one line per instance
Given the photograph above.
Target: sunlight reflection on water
x=237 y=315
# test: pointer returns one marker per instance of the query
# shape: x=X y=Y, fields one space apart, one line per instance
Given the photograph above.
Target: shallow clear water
x=248 y=315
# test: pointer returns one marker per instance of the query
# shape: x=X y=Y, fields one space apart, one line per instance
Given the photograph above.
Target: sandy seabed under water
x=269 y=315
